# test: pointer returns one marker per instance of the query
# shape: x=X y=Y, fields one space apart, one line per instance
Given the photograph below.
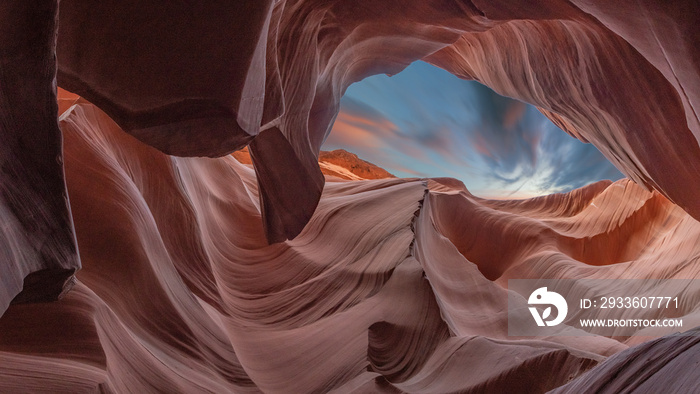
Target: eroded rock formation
x=180 y=291
x=201 y=92
x=206 y=80
x=37 y=247
x=188 y=284
x=338 y=163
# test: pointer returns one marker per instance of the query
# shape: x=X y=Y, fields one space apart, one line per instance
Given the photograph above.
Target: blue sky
x=425 y=122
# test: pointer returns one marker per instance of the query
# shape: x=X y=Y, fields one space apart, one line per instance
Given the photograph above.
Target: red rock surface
x=338 y=163
x=202 y=275
x=38 y=253
x=180 y=292
x=362 y=169
x=206 y=79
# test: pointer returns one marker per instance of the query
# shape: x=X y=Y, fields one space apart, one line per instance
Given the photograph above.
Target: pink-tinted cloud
x=426 y=122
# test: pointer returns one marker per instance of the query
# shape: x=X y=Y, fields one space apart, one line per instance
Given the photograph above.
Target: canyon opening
x=170 y=222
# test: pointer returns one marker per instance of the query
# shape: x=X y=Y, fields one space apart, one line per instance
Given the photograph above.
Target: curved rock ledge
x=202 y=275
x=381 y=292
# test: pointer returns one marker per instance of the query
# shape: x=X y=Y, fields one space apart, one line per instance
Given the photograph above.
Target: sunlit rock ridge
x=201 y=274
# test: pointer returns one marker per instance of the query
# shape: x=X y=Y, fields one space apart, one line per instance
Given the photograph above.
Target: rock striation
x=278 y=70
x=181 y=292
x=208 y=79
x=202 y=274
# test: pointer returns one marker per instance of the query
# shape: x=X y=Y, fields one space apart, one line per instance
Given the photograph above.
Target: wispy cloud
x=426 y=122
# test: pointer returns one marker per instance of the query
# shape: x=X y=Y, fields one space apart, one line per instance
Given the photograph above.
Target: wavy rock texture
x=208 y=79
x=180 y=292
x=589 y=67
x=204 y=275
x=656 y=366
